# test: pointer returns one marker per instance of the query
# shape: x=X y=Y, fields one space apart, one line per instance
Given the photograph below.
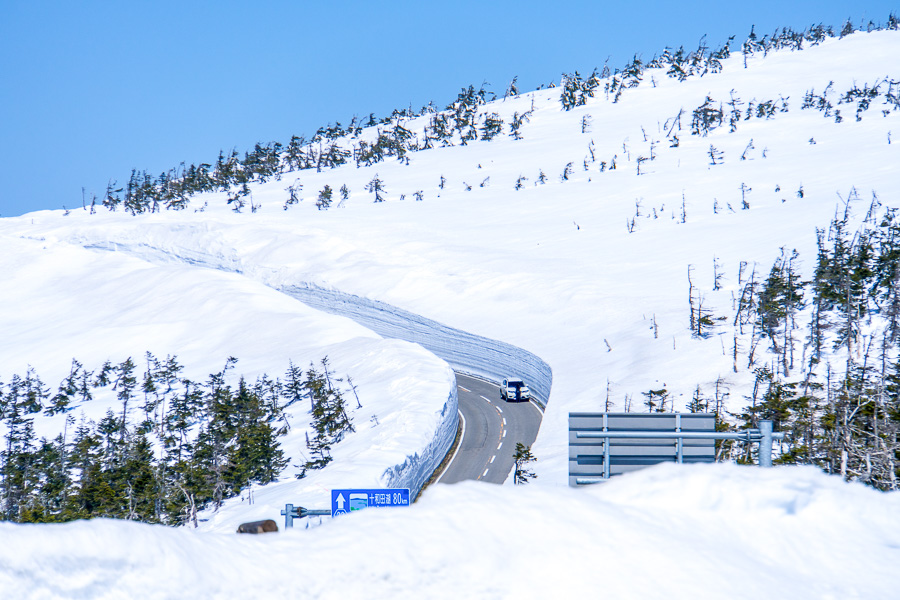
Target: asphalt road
x=492 y=428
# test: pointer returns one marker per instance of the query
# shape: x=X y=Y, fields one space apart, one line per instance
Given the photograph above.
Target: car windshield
x=516 y=384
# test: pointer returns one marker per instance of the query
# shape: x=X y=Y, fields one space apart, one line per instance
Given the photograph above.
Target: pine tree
x=376 y=187
x=17 y=457
x=706 y=117
x=523 y=457
x=124 y=386
x=492 y=126
x=112 y=200
x=330 y=419
x=293 y=191
x=512 y=89
x=49 y=496
x=699 y=403
x=515 y=126
x=68 y=388
x=139 y=486
x=324 y=201
x=252 y=454
x=656 y=400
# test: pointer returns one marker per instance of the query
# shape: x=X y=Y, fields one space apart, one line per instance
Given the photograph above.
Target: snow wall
x=467 y=353
x=418 y=468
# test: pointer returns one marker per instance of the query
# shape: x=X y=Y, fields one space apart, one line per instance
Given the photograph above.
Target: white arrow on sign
x=340 y=502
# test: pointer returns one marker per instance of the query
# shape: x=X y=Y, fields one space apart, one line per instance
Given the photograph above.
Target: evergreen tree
x=125 y=384
x=112 y=200
x=779 y=300
x=68 y=388
x=34 y=392
x=49 y=496
x=523 y=457
x=139 y=486
x=515 y=126
x=656 y=400
x=330 y=419
x=17 y=457
x=324 y=201
x=293 y=191
x=706 y=117
x=492 y=127
x=376 y=187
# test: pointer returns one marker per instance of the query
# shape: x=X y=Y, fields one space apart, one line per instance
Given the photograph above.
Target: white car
x=513 y=389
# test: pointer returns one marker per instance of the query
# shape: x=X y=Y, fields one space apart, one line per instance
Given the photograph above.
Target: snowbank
x=61 y=302
x=468 y=353
x=708 y=531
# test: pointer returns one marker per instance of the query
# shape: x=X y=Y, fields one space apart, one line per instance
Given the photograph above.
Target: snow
x=550 y=272
x=705 y=531
x=65 y=302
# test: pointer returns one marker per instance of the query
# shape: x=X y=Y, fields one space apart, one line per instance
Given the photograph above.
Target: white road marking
x=504 y=433
x=461 y=436
x=486 y=399
x=492 y=458
x=485 y=473
x=500 y=409
x=462 y=388
x=504 y=422
x=501 y=444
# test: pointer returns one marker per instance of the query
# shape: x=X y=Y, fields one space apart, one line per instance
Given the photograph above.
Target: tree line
x=824 y=352
x=460 y=122
x=173 y=447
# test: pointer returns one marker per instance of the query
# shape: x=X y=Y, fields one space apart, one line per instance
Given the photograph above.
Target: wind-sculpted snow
x=466 y=352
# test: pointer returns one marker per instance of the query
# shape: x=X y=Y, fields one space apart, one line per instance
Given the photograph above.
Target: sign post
x=345 y=501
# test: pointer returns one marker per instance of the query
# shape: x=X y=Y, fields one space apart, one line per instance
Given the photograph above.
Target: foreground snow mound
x=668 y=532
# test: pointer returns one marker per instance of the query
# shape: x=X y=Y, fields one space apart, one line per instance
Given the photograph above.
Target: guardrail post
x=679 y=441
x=606 y=448
x=765 y=444
x=289 y=515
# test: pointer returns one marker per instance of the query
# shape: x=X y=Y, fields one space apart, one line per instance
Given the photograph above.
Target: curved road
x=491 y=429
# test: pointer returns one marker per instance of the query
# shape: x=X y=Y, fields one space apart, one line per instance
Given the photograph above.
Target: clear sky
x=91 y=89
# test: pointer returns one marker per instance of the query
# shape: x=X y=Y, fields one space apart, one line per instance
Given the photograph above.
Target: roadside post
x=292 y=512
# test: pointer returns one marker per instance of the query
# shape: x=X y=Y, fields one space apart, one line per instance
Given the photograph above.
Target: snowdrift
x=708 y=531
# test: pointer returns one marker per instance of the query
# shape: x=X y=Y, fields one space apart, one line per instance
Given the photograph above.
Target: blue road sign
x=344 y=501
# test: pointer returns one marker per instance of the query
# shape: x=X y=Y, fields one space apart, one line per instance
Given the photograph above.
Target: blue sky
x=93 y=89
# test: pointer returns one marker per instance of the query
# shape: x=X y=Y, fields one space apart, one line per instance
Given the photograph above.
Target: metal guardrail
x=587 y=456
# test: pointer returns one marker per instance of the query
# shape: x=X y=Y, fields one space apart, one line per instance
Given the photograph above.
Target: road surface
x=491 y=429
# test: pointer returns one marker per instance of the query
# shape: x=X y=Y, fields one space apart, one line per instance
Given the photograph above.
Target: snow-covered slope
x=63 y=302
x=552 y=268
x=576 y=271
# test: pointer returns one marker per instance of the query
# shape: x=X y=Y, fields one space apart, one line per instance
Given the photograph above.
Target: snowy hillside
x=574 y=243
